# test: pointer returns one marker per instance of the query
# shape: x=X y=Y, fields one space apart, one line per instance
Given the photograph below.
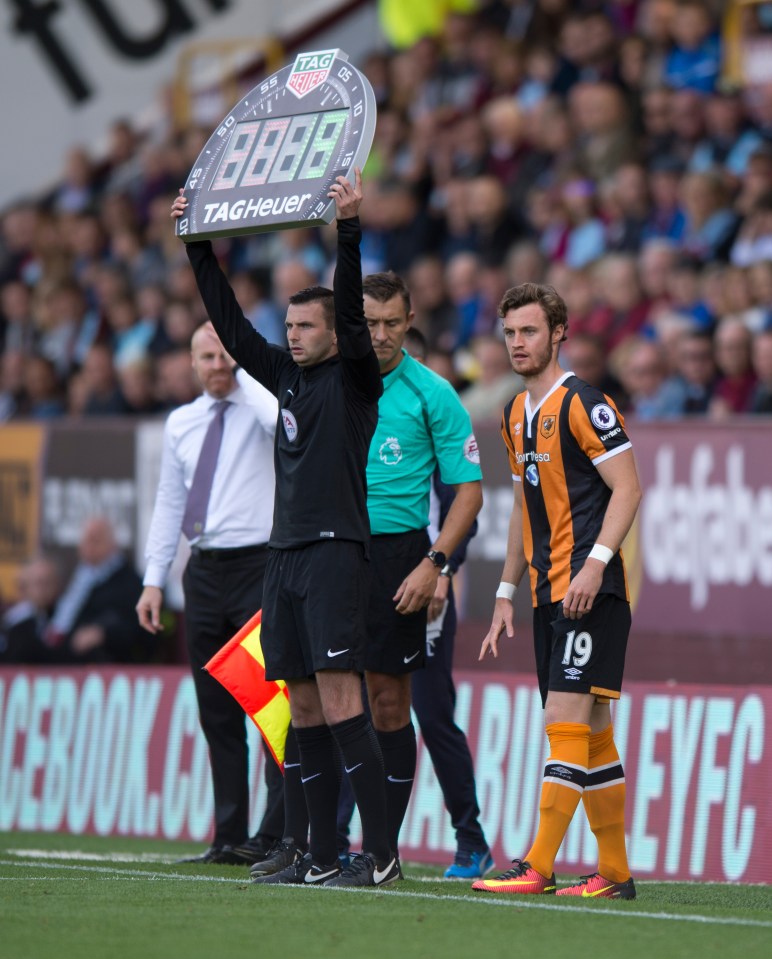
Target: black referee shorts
x=314 y=602
x=396 y=643
x=585 y=655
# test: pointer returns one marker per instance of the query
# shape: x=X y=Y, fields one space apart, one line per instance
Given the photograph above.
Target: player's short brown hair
x=547 y=297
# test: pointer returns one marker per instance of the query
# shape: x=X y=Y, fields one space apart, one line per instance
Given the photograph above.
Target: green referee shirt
x=421 y=425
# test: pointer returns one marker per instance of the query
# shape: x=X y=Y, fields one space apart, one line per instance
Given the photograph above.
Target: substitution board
x=271 y=161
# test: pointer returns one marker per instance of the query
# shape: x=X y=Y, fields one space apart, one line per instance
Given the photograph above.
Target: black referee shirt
x=327 y=412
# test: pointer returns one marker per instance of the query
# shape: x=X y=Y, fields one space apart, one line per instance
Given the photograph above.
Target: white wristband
x=603 y=553
x=506 y=591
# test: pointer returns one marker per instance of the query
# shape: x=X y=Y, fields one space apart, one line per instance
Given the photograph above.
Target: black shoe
x=284 y=853
x=364 y=871
x=303 y=871
x=217 y=855
x=255 y=849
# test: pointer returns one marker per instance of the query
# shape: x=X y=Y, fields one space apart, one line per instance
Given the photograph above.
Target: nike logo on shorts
x=392 y=779
x=291 y=765
x=409 y=659
x=353 y=768
x=307 y=779
x=338 y=652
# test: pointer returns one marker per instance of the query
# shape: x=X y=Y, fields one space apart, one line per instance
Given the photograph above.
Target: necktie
x=201 y=488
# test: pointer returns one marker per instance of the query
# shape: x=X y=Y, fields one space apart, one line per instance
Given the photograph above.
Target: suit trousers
x=223 y=590
x=434 y=703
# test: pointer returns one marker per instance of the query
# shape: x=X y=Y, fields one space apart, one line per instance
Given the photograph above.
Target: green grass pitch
x=77 y=897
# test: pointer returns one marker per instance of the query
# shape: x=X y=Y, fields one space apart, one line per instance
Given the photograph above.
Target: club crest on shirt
x=472 y=450
x=390 y=452
x=603 y=417
x=290 y=425
x=547 y=427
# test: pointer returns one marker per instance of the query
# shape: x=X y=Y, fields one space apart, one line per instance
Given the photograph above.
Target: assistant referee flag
x=239 y=666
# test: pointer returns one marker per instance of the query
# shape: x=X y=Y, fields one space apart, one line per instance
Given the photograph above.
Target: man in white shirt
x=217 y=486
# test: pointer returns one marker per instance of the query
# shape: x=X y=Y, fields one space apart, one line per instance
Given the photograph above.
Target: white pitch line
x=520 y=903
x=119 y=873
x=82 y=856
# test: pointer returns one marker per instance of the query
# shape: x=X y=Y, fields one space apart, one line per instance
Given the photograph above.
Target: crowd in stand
x=590 y=145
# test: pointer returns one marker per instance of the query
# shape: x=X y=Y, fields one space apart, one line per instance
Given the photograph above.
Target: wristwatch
x=446 y=571
x=438 y=559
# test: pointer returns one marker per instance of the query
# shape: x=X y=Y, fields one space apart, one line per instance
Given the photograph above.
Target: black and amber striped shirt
x=554 y=451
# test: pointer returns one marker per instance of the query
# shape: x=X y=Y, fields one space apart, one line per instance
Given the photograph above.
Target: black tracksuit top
x=327 y=412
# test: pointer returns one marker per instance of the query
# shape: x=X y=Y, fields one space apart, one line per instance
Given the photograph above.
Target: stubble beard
x=539 y=363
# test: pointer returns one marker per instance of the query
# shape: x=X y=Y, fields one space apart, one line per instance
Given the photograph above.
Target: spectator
x=736 y=382
x=42 y=389
x=496 y=382
x=710 y=223
x=685 y=295
x=23 y=631
x=250 y=290
x=131 y=335
x=695 y=59
x=761 y=401
x=493 y=227
x=103 y=395
x=658 y=135
x=687 y=122
x=435 y=315
x=666 y=218
x=604 y=137
x=462 y=283
x=655 y=22
x=176 y=382
x=16 y=322
x=642 y=372
x=753 y=243
x=690 y=389
x=94 y=620
x=504 y=124
x=756 y=182
x=629 y=195
x=584 y=354
x=60 y=314
x=728 y=143
x=136 y=381
x=12 y=363
x=586 y=239
x=623 y=309
x=178 y=321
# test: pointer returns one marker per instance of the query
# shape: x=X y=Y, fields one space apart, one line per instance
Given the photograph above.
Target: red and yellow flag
x=240 y=667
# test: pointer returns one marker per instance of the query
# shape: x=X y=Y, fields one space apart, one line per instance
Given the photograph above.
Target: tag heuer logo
x=309 y=71
x=547 y=426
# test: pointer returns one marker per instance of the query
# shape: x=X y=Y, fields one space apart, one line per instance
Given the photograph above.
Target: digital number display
x=280 y=149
